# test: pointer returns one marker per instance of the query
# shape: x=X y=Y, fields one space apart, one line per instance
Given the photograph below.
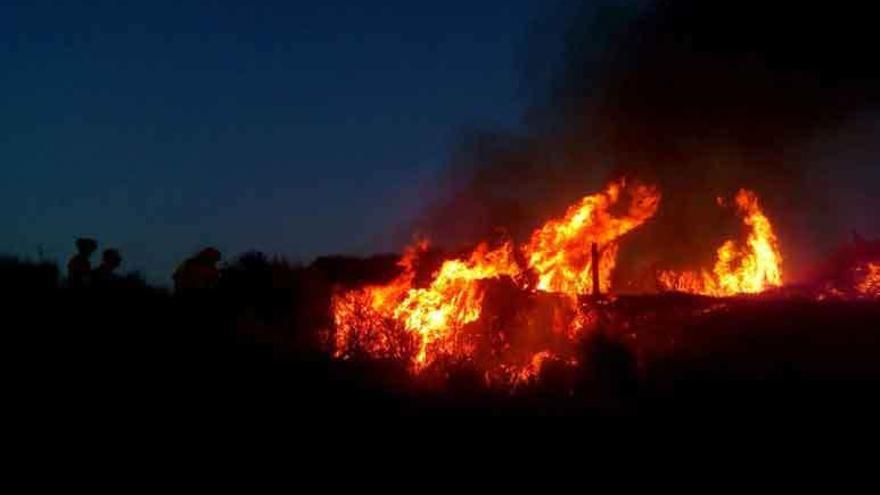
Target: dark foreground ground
x=252 y=347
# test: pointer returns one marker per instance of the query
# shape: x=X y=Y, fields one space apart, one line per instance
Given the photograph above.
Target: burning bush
x=504 y=309
x=853 y=271
x=739 y=269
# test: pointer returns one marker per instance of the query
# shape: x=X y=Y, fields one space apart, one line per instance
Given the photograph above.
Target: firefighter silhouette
x=105 y=274
x=199 y=271
x=79 y=268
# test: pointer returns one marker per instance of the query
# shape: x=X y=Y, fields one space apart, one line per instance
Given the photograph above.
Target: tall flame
x=560 y=251
x=739 y=269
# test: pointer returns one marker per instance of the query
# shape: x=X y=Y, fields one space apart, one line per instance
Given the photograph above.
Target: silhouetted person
x=104 y=275
x=198 y=272
x=79 y=268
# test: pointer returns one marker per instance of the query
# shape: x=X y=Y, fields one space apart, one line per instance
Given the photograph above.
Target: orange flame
x=361 y=316
x=422 y=324
x=748 y=269
x=397 y=320
x=560 y=251
x=454 y=298
x=870 y=283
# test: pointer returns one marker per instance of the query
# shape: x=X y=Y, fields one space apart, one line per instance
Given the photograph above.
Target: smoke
x=706 y=97
x=699 y=97
x=510 y=182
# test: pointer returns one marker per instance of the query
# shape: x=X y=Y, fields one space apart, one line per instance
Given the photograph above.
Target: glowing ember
x=528 y=373
x=749 y=269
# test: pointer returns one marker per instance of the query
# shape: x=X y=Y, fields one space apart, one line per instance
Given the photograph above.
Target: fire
x=739 y=269
x=453 y=299
x=851 y=272
x=426 y=324
x=870 y=283
x=528 y=373
x=398 y=320
x=560 y=251
x=361 y=316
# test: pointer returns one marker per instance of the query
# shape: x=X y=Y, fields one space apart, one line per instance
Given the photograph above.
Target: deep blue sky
x=298 y=128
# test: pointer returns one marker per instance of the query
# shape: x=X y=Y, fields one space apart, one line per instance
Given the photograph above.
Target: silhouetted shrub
x=17 y=274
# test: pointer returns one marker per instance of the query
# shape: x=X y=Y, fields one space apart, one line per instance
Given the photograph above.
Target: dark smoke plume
x=702 y=98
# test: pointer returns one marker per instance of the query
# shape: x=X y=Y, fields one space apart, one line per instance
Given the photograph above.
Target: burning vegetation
x=531 y=294
x=560 y=252
x=853 y=272
x=870 y=283
x=512 y=308
x=748 y=268
x=506 y=310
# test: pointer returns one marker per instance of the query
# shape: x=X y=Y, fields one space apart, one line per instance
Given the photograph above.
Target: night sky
x=309 y=128
x=297 y=128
